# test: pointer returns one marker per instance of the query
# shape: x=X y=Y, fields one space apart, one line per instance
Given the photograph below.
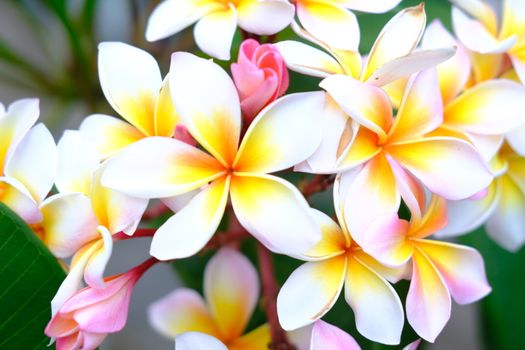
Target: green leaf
x=30 y=276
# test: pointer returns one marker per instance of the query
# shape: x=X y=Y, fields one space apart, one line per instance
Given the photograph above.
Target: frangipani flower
x=329 y=337
x=231 y=289
x=284 y=134
x=28 y=160
x=337 y=261
x=482 y=34
x=217 y=21
x=132 y=83
x=439 y=269
x=81 y=219
x=389 y=158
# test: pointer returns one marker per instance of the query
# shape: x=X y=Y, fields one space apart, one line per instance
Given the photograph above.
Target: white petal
x=198 y=341
x=18 y=199
x=308 y=60
x=214 y=33
x=265 y=17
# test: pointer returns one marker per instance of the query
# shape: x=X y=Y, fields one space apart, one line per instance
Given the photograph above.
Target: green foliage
x=30 y=276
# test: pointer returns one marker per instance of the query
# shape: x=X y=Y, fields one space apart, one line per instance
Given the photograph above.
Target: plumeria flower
x=231 y=290
x=86 y=318
x=82 y=217
x=476 y=25
x=337 y=261
x=389 y=158
x=28 y=161
x=331 y=21
x=132 y=83
x=270 y=208
x=217 y=21
x=329 y=337
x=439 y=269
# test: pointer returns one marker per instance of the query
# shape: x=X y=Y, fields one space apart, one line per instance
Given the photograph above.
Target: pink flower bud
x=182 y=134
x=86 y=318
x=260 y=76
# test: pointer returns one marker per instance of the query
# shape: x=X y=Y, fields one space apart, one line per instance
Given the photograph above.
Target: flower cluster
x=427 y=121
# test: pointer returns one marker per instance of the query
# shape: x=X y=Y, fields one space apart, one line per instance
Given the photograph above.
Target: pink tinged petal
x=378 y=311
x=461 y=268
x=231 y=287
x=253 y=104
x=455 y=72
x=449 y=167
x=73 y=341
x=330 y=23
x=516 y=140
x=21 y=115
x=183 y=310
x=264 y=17
x=17 y=198
x=96 y=265
x=275 y=212
x=183 y=236
x=310 y=292
x=308 y=60
x=61 y=326
x=208 y=104
x=284 y=134
x=421 y=109
x=397 y=39
x=328 y=337
x=428 y=301
x=91 y=341
x=78 y=159
x=491 y=108
x=69 y=222
x=198 y=341
x=367 y=104
x=214 y=32
x=175 y=168
x=413 y=346
x=130 y=79
x=519 y=66
x=34 y=162
x=385 y=240
x=506 y=225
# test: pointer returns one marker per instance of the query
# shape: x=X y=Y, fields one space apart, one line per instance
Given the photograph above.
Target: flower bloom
x=217 y=21
x=439 y=269
x=282 y=135
x=28 y=160
x=260 y=76
x=231 y=289
x=86 y=318
x=336 y=262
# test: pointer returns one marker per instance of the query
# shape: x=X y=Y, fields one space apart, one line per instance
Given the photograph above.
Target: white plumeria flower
x=217 y=21
x=28 y=160
x=270 y=208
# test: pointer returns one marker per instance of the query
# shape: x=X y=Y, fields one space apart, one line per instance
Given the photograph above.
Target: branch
x=318 y=183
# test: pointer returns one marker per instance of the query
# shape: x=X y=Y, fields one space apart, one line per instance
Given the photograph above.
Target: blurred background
x=48 y=49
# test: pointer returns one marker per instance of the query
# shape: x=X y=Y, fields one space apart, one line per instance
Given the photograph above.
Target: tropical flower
x=329 y=337
x=217 y=21
x=284 y=134
x=439 y=269
x=28 y=160
x=231 y=289
x=260 y=76
x=337 y=261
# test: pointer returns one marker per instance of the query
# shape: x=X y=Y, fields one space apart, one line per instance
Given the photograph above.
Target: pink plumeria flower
x=329 y=337
x=217 y=21
x=337 y=261
x=270 y=208
x=86 y=318
x=439 y=269
x=476 y=25
x=231 y=289
x=332 y=22
x=260 y=76
x=28 y=161
x=133 y=86
x=81 y=219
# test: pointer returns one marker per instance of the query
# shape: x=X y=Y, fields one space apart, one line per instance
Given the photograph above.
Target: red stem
x=318 y=183
x=140 y=232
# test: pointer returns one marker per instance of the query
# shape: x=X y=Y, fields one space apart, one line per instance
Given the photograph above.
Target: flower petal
x=516 y=139
x=207 y=103
x=257 y=339
x=96 y=265
x=275 y=212
x=175 y=168
x=182 y=236
x=378 y=311
x=130 y=79
x=166 y=117
x=328 y=337
x=183 y=310
x=214 y=32
x=264 y=17
x=231 y=288
x=333 y=241
x=310 y=292
x=198 y=341
x=284 y=134
x=18 y=199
